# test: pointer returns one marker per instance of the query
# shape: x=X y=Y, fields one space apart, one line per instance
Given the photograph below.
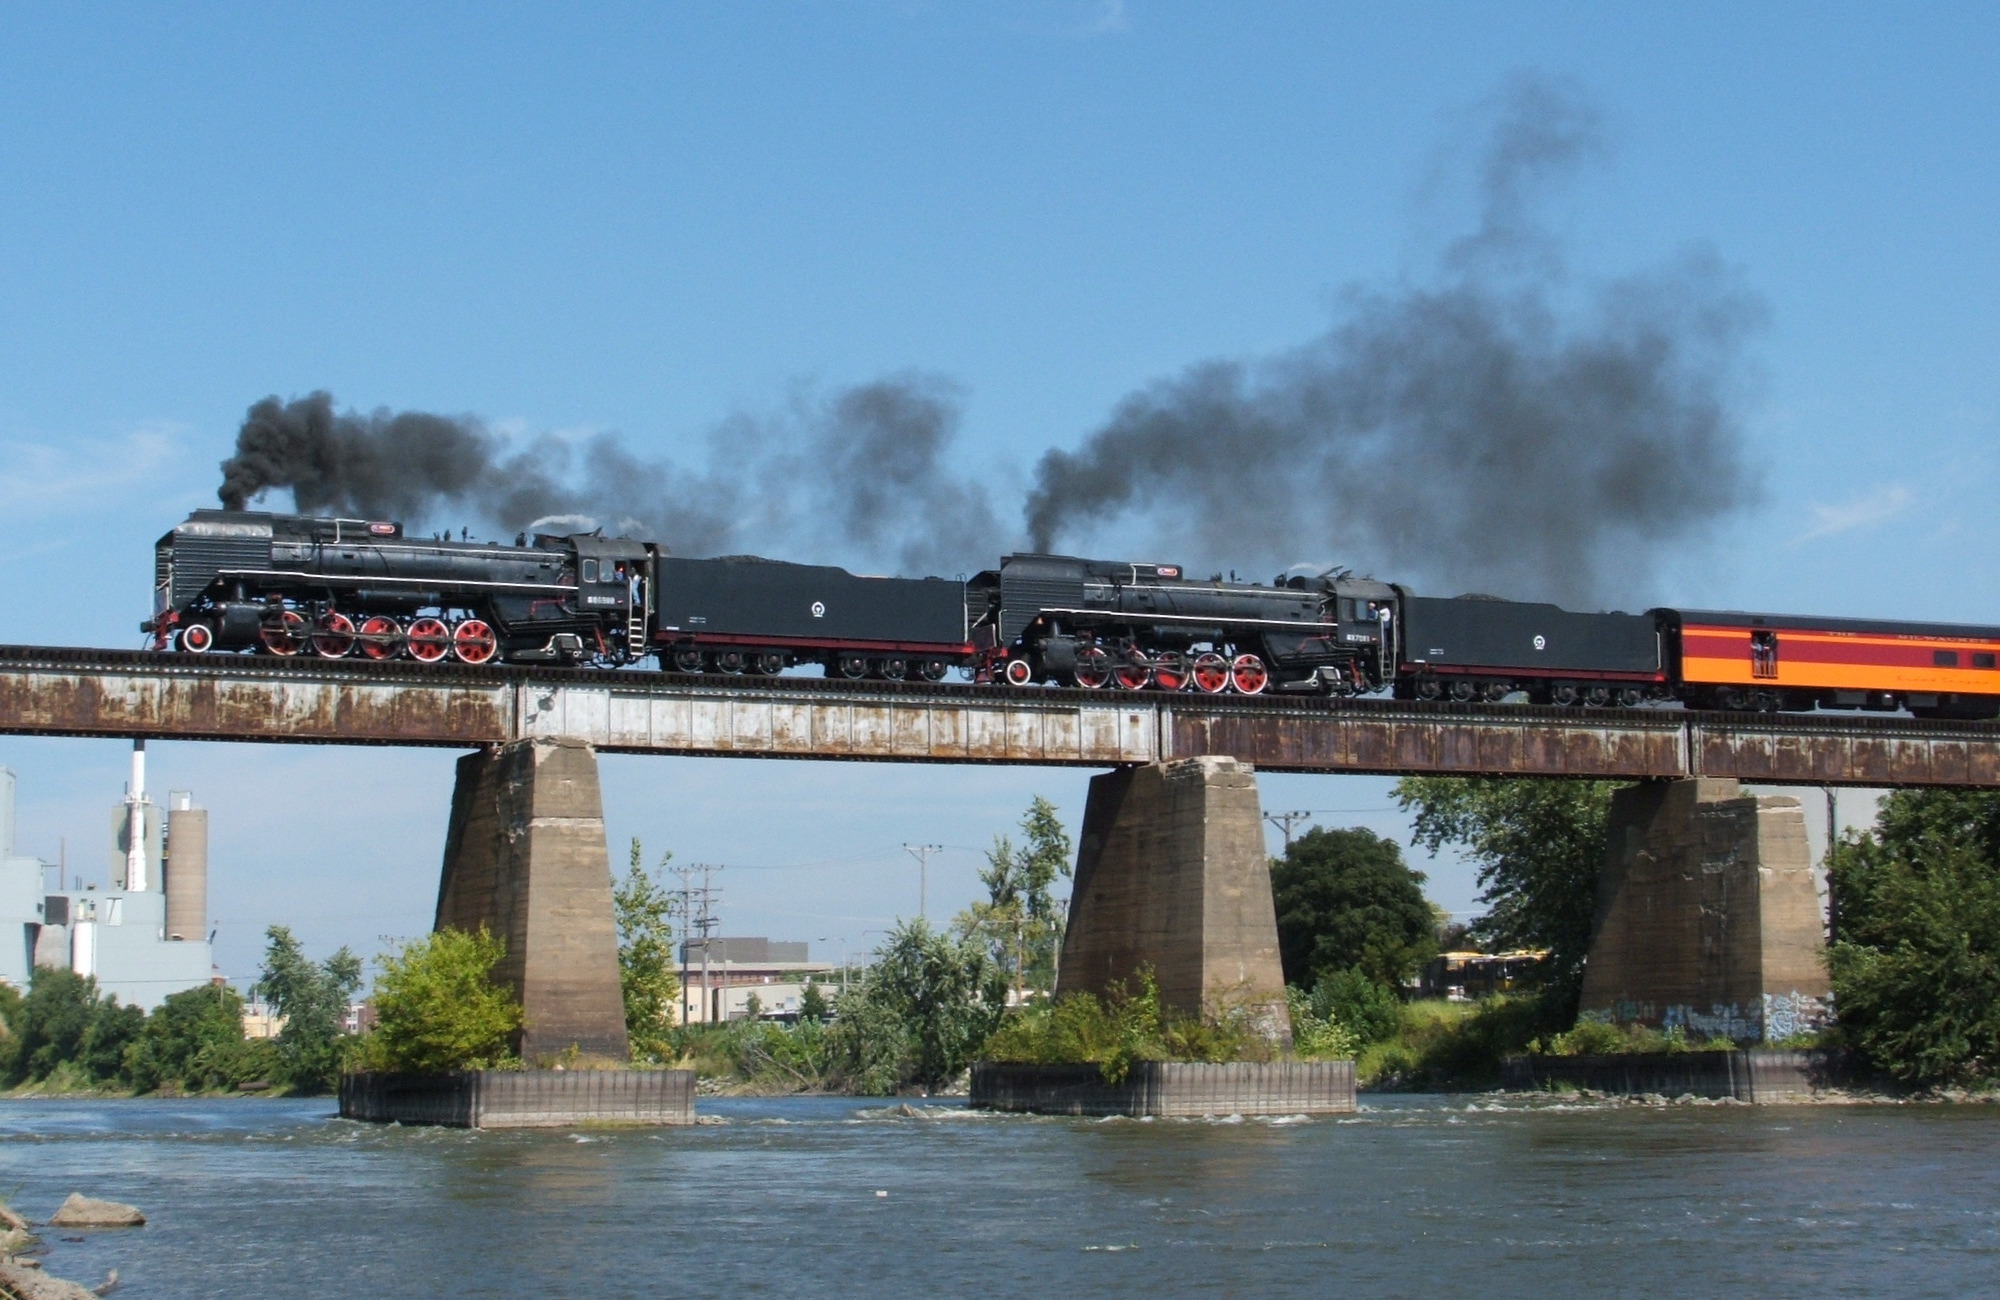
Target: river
x=1413 y=1196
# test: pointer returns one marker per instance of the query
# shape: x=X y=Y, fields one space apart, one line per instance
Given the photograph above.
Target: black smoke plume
x=1475 y=430
x=863 y=472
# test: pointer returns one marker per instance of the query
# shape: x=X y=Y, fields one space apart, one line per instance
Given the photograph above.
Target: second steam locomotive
x=290 y=586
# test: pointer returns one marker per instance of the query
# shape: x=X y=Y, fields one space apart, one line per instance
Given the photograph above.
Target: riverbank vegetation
x=1916 y=957
x=65 y=1036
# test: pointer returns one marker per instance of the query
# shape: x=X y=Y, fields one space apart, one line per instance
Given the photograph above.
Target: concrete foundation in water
x=1708 y=917
x=1758 y=1075
x=1172 y=876
x=525 y=858
x=520 y=1098
x=1168 y=1089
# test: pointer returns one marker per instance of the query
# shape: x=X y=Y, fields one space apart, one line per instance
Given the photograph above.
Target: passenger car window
x=1945 y=658
x=1983 y=659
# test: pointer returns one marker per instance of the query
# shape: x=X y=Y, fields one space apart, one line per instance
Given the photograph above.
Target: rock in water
x=9 y=1219
x=33 y=1284
x=81 y=1211
x=15 y=1241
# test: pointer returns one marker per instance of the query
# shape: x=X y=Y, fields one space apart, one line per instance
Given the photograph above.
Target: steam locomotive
x=289 y=585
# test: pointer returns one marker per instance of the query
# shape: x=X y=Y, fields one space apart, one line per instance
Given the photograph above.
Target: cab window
x=590 y=570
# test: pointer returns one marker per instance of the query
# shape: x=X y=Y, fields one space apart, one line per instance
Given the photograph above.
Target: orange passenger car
x=1731 y=660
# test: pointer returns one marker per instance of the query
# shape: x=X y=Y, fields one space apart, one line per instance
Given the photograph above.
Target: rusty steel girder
x=76 y=692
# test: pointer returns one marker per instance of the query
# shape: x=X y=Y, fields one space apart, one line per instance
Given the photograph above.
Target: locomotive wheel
x=196 y=639
x=1631 y=697
x=1211 y=673
x=933 y=670
x=1133 y=672
x=730 y=661
x=429 y=640
x=687 y=659
x=1093 y=667
x=473 y=641
x=1170 y=672
x=1430 y=688
x=1597 y=697
x=1498 y=691
x=380 y=637
x=1462 y=691
x=894 y=668
x=1248 y=675
x=284 y=633
x=853 y=667
x=334 y=636
x=1018 y=672
x=1562 y=695
x=770 y=663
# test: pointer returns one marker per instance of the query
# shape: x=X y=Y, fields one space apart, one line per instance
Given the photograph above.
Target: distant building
x=142 y=940
x=737 y=969
x=1468 y=976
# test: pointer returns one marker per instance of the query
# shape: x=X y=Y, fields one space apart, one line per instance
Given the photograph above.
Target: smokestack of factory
x=135 y=822
x=186 y=868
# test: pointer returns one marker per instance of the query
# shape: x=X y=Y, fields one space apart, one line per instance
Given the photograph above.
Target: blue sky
x=649 y=219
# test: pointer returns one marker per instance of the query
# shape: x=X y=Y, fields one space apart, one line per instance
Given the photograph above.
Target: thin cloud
x=1883 y=503
x=42 y=478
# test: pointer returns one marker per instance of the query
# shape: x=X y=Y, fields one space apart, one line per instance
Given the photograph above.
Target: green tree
x=1916 y=964
x=1539 y=844
x=51 y=1022
x=646 y=974
x=194 y=1039
x=813 y=1005
x=312 y=997
x=1346 y=900
x=921 y=1010
x=437 y=1007
x=1020 y=921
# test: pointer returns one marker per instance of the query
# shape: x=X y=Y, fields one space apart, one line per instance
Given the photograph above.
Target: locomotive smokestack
x=1482 y=429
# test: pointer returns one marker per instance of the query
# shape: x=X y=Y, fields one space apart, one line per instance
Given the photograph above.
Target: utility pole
x=922 y=853
x=1826 y=867
x=698 y=913
x=1284 y=821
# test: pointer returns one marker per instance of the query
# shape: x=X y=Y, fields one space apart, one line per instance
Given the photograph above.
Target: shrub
x=919 y=1013
x=1368 y=1010
x=1114 y=1031
x=437 y=1008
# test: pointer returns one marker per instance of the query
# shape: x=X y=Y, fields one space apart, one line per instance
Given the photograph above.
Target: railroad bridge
x=1171 y=869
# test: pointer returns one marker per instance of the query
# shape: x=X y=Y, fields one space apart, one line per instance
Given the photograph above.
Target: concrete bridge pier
x=525 y=857
x=1708 y=916
x=1171 y=873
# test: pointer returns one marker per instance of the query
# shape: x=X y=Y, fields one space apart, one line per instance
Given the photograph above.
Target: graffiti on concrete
x=1791 y=1013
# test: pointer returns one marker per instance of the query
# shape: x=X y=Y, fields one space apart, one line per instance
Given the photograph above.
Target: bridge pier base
x=525 y=857
x=1171 y=873
x=1707 y=914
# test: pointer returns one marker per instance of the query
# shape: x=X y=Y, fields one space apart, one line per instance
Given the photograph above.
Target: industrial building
x=720 y=975
x=142 y=939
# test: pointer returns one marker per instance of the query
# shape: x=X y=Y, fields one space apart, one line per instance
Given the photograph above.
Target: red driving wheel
x=1249 y=675
x=473 y=641
x=429 y=640
x=1211 y=673
x=284 y=633
x=380 y=637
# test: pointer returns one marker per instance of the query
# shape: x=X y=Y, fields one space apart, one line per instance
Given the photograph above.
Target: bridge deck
x=61 y=691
